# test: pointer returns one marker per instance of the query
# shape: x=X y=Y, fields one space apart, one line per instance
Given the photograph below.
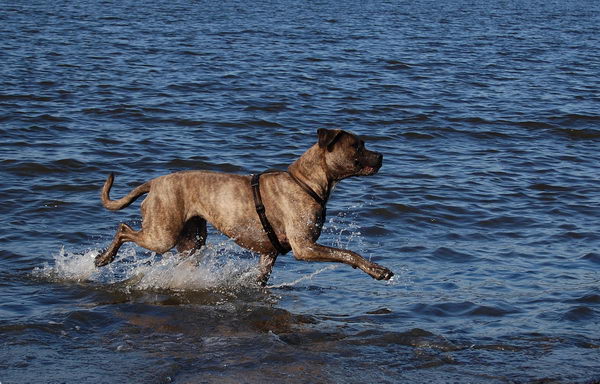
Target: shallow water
x=486 y=207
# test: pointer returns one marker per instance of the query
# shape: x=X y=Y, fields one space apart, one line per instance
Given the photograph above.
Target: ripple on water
x=485 y=208
x=463 y=309
x=592 y=257
x=450 y=255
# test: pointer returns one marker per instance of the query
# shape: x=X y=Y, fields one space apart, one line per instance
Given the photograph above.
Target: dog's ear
x=328 y=137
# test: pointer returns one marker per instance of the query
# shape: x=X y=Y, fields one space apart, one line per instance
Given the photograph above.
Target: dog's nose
x=379 y=159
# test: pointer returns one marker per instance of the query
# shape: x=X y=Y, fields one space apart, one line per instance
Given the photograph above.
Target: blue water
x=486 y=208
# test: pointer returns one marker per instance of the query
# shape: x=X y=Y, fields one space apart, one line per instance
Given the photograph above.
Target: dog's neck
x=310 y=168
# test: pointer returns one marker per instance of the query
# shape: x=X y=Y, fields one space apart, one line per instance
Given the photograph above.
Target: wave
x=573 y=126
x=395 y=65
x=267 y=107
x=579 y=313
x=56 y=166
x=463 y=309
x=592 y=257
x=24 y=97
x=415 y=337
x=580 y=134
x=453 y=256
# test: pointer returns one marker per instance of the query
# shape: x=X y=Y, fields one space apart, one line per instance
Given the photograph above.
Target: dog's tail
x=123 y=202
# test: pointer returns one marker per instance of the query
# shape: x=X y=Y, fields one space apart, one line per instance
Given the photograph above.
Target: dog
x=270 y=213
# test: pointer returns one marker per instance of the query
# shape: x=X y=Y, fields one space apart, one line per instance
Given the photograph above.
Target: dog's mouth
x=368 y=170
x=370 y=163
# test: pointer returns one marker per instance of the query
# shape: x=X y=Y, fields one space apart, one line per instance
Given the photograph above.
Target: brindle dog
x=179 y=205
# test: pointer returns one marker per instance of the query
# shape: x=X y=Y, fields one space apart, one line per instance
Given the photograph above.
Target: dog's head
x=346 y=155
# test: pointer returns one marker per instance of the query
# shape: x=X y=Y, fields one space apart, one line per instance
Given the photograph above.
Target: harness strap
x=321 y=201
x=310 y=191
x=260 y=209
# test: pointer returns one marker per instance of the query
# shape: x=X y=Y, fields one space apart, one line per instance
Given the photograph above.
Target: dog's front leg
x=307 y=251
x=266 y=266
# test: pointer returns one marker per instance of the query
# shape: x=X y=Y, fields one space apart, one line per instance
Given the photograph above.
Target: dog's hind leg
x=162 y=226
x=154 y=238
x=192 y=236
x=124 y=233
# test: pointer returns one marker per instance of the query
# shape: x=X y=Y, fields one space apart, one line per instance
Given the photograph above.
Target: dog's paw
x=378 y=272
x=102 y=259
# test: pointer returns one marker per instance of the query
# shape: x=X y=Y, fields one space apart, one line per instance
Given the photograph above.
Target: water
x=486 y=207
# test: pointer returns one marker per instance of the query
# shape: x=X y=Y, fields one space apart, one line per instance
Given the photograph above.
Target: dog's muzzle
x=371 y=164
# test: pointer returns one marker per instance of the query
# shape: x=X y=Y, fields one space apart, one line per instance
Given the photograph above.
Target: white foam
x=203 y=270
x=69 y=266
x=136 y=269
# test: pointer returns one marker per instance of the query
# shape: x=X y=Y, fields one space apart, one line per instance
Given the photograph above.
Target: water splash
x=343 y=230
x=69 y=266
x=135 y=269
x=200 y=271
x=303 y=278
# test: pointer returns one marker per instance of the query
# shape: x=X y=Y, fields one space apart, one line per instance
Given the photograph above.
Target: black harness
x=260 y=208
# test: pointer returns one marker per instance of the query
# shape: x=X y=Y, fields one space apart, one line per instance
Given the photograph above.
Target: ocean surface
x=487 y=207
